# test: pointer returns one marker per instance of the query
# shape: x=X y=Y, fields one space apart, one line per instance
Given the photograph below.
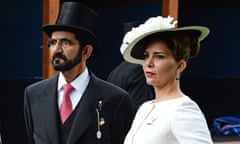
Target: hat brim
x=84 y=33
x=128 y=55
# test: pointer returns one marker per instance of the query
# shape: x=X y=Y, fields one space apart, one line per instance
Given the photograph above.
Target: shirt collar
x=81 y=80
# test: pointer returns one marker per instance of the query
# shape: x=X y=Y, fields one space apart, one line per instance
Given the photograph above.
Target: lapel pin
x=99 y=134
x=101 y=121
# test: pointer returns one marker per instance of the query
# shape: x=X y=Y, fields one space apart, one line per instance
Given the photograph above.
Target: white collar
x=81 y=80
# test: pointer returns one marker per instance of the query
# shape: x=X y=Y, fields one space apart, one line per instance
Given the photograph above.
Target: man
x=97 y=112
x=130 y=77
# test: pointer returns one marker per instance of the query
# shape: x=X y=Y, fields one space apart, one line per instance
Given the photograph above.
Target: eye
x=145 y=55
x=160 y=56
x=52 y=42
x=66 y=42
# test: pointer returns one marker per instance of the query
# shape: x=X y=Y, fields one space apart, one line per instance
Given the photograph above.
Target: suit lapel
x=86 y=111
x=51 y=111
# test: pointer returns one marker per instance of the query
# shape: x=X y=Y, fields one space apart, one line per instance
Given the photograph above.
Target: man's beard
x=66 y=64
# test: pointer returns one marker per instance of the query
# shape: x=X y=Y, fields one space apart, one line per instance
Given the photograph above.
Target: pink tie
x=66 y=106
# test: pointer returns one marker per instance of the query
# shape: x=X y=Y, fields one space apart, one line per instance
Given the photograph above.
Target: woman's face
x=160 y=67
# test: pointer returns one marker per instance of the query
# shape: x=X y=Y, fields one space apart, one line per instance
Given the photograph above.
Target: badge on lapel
x=100 y=120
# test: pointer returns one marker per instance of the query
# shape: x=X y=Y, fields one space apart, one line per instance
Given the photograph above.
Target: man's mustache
x=59 y=55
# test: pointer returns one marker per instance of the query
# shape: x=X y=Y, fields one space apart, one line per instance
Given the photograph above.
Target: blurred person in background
x=130 y=77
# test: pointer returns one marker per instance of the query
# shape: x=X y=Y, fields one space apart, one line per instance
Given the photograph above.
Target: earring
x=177 y=78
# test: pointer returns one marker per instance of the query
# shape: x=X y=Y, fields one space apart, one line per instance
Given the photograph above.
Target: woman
x=163 y=50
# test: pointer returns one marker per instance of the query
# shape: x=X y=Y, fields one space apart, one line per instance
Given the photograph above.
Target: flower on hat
x=152 y=24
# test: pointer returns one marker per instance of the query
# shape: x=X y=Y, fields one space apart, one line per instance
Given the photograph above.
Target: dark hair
x=84 y=40
x=183 y=44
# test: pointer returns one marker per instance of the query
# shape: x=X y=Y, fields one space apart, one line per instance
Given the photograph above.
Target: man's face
x=65 y=50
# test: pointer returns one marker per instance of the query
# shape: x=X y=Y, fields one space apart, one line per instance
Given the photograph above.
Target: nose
x=58 y=47
x=148 y=62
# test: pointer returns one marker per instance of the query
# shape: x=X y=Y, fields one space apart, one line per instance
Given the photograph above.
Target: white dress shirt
x=79 y=84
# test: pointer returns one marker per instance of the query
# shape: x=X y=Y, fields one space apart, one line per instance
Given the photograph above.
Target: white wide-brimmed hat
x=152 y=26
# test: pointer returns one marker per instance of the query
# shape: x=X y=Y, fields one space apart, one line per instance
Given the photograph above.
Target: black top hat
x=77 y=18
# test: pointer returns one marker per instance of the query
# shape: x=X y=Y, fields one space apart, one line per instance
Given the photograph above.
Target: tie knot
x=67 y=88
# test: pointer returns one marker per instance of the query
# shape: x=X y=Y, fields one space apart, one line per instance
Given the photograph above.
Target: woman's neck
x=167 y=93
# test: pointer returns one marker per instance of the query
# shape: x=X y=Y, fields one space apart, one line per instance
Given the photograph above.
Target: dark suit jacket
x=42 y=116
x=131 y=77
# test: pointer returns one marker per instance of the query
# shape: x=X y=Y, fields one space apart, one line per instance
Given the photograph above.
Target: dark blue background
x=111 y=31
x=219 y=55
x=214 y=74
x=21 y=38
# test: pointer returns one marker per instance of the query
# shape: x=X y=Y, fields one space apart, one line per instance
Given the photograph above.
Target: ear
x=87 y=51
x=182 y=64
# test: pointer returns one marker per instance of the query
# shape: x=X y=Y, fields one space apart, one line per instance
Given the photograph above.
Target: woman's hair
x=183 y=44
